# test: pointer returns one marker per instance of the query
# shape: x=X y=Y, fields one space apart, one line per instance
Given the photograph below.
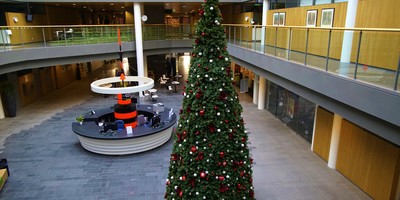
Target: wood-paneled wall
x=323 y=133
x=378 y=49
x=368 y=161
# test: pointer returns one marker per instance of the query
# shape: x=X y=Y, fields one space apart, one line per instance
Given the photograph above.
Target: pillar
x=348 y=35
x=333 y=151
x=315 y=122
x=264 y=23
x=261 y=93
x=255 y=89
x=138 y=41
x=1 y=109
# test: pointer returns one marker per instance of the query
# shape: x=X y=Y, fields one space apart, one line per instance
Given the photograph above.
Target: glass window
x=317 y=2
x=306 y=2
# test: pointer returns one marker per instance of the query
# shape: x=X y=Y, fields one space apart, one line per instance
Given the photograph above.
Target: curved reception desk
x=94 y=135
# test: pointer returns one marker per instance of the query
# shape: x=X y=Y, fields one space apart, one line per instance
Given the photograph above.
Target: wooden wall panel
x=323 y=133
x=377 y=49
x=368 y=161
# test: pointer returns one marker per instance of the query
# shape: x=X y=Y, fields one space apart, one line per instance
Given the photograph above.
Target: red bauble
x=183 y=178
x=201 y=112
x=168 y=182
x=197 y=133
x=191 y=91
x=210 y=145
x=215 y=107
x=206 y=68
x=202 y=175
x=239 y=186
x=198 y=65
x=193 y=149
x=243 y=139
x=226 y=121
x=180 y=193
x=221 y=178
x=187 y=81
x=203 y=34
x=242 y=173
x=221 y=154
x=198 y=95
x=220 y=57
x=224 y=163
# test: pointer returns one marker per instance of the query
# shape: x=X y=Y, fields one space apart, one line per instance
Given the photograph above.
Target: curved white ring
x=126 y=146
x=148 y=83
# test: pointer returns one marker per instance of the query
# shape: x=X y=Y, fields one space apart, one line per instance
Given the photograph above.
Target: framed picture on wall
x=311 y=18
x=327 y=17
x=282 y=19
x=275 y=20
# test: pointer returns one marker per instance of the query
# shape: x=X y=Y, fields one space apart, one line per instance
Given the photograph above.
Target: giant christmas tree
x=210 y=158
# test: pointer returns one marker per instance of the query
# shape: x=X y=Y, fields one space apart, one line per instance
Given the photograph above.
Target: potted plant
x=9 y=99
x=80 y=119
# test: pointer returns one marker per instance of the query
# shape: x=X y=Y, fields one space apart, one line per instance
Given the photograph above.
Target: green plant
x=80 y=118
x=7 y=88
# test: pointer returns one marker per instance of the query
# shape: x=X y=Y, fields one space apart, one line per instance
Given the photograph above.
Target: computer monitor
x=29 y=17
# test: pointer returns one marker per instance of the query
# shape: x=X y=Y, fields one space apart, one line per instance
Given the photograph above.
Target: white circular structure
x=126 y=146
x=145 y=83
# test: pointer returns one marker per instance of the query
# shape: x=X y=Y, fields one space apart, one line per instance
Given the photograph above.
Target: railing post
x=329 y=47
x=234 y=35
x=290 y=41
x=255 y=38
x=3 y=38
x=229 y=34
x=240 y=36
x=20 y=34
x=358 y=55
x=65 y=37
x=44 y=37
x=276 y=39
x=305 y=55
x=397 y=74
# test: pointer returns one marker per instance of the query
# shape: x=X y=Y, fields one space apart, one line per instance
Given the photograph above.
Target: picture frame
x=282 y=17
x=311 y=20
x=327 y=16
x=275 y=19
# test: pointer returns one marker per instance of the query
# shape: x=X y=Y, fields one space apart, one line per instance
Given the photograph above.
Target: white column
x=138 y=41
x=1 y=109
x=146 y=73
x=255 y=89
x=261 y=93
x=348 y=35
x=264 y=22
x=315 y=122
x=337 y=123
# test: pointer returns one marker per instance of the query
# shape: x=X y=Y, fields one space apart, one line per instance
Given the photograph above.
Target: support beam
x=261 y=93
x=264 y=23
x=333 y=150
x=255 y=89
x=138 y=41
x=348 y=35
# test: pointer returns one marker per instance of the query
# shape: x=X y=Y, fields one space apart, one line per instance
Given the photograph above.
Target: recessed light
x=167 y=4
x=84 y=6
x=74 y=4
x=122 y=7
x=183 y=6
x=104 y=9
x=57 y=4
x=111 y=4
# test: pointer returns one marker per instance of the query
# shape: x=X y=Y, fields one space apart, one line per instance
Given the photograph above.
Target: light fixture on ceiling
x=111 y=4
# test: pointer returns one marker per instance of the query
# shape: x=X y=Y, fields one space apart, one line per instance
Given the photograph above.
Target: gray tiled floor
x=47 y=161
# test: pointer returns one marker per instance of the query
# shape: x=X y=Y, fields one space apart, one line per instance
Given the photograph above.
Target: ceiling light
x=84 y=6
x=111 y=4
x=183 y=6
x=104 y=9
x=74 y=4
x=122 y=7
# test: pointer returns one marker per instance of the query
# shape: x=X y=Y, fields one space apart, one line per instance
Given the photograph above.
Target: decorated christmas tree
x=210 y=157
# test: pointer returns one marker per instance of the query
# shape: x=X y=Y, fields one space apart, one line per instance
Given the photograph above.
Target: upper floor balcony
x=374 y=53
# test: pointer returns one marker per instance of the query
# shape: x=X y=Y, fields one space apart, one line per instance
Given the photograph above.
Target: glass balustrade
x=368 y=55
